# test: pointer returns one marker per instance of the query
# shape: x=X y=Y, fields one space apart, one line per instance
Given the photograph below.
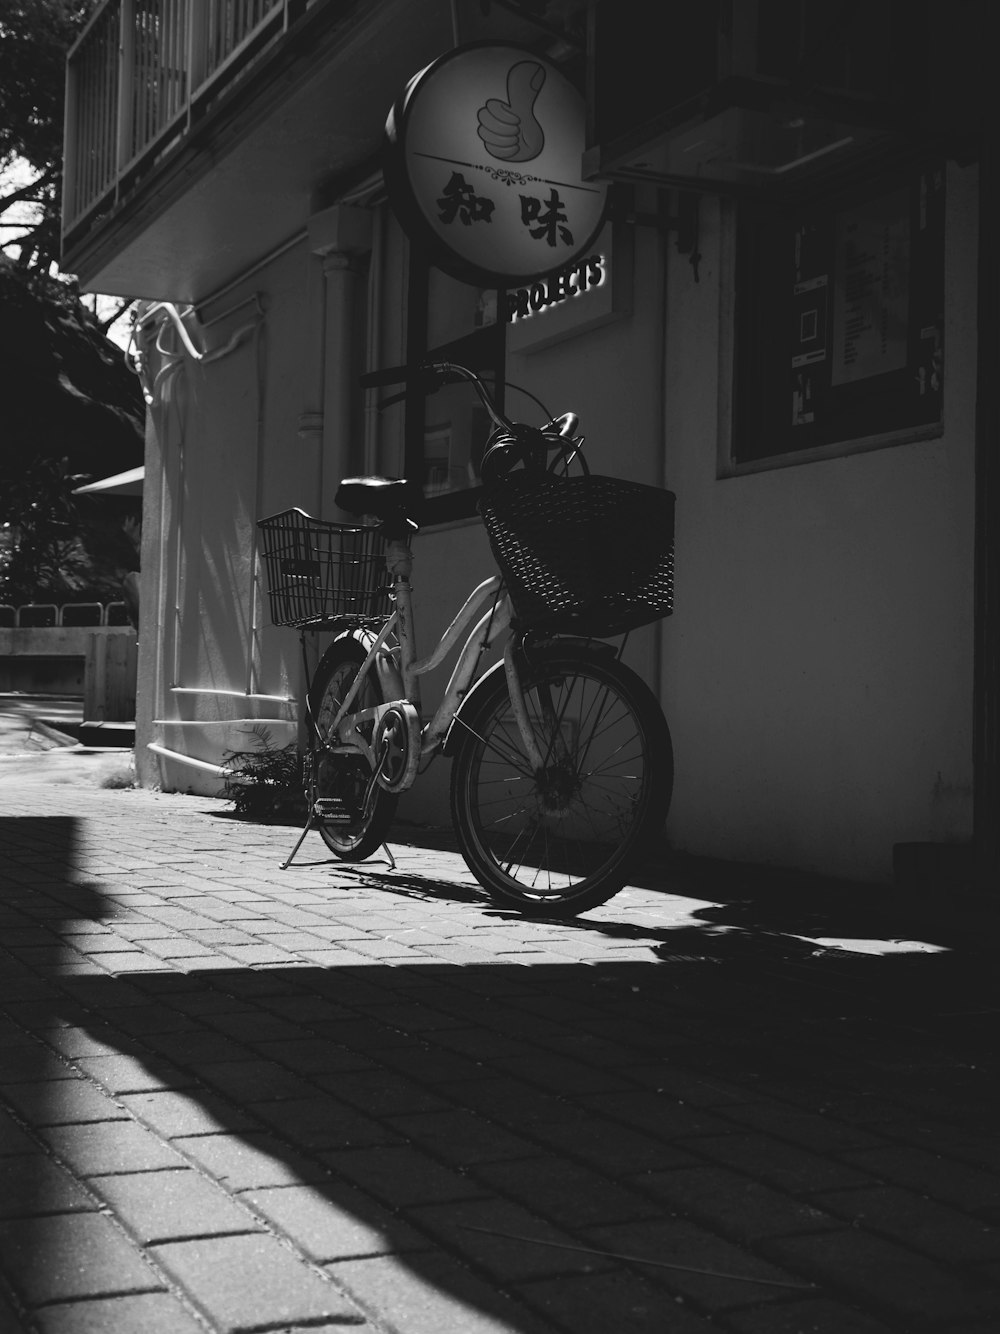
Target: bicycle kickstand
x=302 y=838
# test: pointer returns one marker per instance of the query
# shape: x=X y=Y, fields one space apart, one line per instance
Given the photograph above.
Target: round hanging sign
x=482 y=165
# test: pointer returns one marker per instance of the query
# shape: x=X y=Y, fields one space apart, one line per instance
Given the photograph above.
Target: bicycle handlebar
x=519 y=442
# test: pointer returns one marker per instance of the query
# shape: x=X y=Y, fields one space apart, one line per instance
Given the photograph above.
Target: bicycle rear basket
x=319 y=572
x=590 y=554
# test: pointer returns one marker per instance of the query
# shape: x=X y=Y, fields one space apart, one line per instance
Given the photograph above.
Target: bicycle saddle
x=391 y=500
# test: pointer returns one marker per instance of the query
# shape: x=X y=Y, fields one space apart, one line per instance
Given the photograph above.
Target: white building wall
x=222 y=449
x=818 y=668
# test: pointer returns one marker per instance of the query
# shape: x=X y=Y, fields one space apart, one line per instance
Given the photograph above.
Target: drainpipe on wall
x=945 y=874
x=986 y=688
x=341 y=235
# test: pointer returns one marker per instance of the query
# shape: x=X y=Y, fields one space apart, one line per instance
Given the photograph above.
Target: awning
x=121 y=484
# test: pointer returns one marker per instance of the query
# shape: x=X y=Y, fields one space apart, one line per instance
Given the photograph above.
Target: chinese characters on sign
x=458 y=200
x=483 y=166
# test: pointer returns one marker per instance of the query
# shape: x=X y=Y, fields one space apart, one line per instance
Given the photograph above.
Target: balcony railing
x=139 y=74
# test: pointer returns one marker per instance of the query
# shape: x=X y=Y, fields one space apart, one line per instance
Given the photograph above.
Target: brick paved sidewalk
x=234 y=1099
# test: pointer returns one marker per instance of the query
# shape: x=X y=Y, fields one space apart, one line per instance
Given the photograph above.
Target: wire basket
x=319 y=572
x=591 y=555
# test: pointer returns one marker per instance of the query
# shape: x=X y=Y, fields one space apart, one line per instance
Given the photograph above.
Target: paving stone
x=429 y=1293
x=145 y=1313
x=933 y=1174
x=784 y=1166
x=565 y=1193
x=251 y=1161
x=384 y=1093
x=504 y=1239
x=132 y=1074
x=251 y=956
x=695 y=1263
x=149 y=1019
x=13 y=1140
x=316 y=1056
x=899 y=1282
x=253 y=1282
x=322 y=1122
x=173 y=1206
x=739 y=1207
x=71 y=1255
x=253 y=1081
x=935 y=1229
x=177 y=948
x=72 y=1041
x=61 y=1102
x=200 y=1047
x=256 y=1026
x=614 y=1149
x=196 y=1112
x=110 y=1146
x=130 y=962
x=817 y=1316
x=334 y=1222
x=599 y=1303
x=10 y=1317
x=660 y=1113
x=401 y=1175
x=32 y=1184
x=462 y=1137
x=512 y=1102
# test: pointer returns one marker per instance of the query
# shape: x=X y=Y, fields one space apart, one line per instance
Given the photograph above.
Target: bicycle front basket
x=591 y=555
x=319 y=572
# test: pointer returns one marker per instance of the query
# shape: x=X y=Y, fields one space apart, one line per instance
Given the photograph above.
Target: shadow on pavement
x=749 y=1131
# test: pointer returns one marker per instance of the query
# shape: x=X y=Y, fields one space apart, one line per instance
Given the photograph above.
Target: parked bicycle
x=562 y=766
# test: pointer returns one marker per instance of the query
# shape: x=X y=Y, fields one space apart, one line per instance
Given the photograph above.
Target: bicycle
x=562 y=764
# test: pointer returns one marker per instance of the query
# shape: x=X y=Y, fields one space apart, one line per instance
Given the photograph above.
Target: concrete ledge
x=55 y=641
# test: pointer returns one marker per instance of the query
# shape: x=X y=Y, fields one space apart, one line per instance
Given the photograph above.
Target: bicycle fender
x=467 y=712
x=385 y=665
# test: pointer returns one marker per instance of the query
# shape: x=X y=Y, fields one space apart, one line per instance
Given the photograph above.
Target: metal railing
x=51 y=616
x=136 y=76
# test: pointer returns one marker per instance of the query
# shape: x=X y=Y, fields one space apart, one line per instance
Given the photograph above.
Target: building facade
x=786 y=319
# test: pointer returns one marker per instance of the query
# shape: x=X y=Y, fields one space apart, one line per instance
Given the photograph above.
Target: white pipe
x=230 y=694
x=189 y=759
x=224 y=722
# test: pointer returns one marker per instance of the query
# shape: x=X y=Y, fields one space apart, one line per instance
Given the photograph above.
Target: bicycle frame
x=399 y=669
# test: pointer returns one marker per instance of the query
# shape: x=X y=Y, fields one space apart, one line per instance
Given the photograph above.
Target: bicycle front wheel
x=558 y=840
x=359 y=812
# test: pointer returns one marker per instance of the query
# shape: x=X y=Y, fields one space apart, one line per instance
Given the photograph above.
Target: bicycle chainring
x=396 y=743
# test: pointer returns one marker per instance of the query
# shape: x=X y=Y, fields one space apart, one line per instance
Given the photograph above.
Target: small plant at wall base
x=265 y=783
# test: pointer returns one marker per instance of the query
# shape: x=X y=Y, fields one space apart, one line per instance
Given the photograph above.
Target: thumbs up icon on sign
x=509 y=129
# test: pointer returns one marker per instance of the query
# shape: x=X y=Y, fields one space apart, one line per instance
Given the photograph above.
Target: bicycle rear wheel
x=360 y=813
x=561 y=840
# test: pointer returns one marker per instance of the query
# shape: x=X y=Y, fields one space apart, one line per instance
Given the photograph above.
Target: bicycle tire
x=563 y=841
x=346 y=777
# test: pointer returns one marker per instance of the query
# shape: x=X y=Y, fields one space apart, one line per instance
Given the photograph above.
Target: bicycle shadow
x=534 y=1143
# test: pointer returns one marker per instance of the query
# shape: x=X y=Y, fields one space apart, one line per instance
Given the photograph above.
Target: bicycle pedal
x=332 y=810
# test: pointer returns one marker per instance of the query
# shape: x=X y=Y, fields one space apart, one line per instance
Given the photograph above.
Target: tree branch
x=27 y=192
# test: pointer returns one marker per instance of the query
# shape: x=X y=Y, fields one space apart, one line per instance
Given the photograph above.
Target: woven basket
x=319 y=572
x=591 y=555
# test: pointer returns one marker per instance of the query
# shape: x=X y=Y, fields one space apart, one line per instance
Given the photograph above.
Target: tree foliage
x=58 y=547
x=35 y=36
x=70 y=411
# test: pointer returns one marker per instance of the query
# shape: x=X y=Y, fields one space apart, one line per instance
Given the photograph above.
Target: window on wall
x=446 y=431
x=839 y=323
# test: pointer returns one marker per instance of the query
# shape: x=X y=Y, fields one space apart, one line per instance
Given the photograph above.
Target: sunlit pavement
x=237 y=1098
